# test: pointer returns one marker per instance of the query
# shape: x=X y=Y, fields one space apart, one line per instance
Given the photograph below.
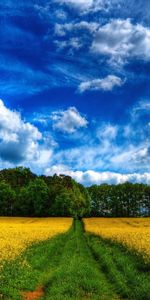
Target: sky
x=75 y=88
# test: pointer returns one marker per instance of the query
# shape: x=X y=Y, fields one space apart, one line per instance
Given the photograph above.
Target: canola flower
x=131 y=232
x=18 y=233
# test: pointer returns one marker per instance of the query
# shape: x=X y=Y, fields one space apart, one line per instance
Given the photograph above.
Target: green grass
x=127 y=271
x=32 y=268
x=78 y=275
x=75 y=266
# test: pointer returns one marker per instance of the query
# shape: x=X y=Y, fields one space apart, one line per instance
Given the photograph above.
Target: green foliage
x=32 y=195
x=17 y=177
x=70 y=200
x=38 y=195
x=7 y=197
x=62 y=203
x=34 y=198
x=122 y=200
x=42 y=196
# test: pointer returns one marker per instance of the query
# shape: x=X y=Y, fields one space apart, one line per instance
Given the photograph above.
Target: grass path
x=76 y=266
x=127 y=272
x=78 y=275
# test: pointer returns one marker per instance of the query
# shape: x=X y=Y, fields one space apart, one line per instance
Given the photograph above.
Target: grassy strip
x=78 y=276
x=32 y=268
x=126 y=271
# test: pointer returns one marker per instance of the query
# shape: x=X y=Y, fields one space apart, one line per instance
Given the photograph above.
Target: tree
x=34 y=198
x=7 y=197
x=61 y=206
x=24 y=203
x=100 y=200
x=80 y=204
x=23 y=193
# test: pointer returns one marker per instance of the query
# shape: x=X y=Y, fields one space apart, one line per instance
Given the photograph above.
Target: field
x=131 y=232
x=57 y=259
x=16 y=234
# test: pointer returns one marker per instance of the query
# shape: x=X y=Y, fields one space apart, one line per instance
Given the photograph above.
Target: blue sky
x=75 y=88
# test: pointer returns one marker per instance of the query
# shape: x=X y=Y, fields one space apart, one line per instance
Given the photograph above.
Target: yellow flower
x=18 y=233
x=131 y=232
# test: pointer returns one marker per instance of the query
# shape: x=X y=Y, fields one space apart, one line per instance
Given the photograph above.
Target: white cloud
x=105 y=147
x=45 y=157
x=110 y=147
x=105 y=84
x=76 y=40
x=107 y=132
x=140 y=108
x=90 y=177
x=79 y=4
x=120 y=40
x=68 y=121
x=20 y=141
x=86 y=6
x=73 y=44
x=62 y=29
x=61 y=14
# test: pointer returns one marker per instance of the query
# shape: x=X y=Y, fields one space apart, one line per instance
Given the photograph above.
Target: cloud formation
x=90 y=177
x=97 y=152
x=117 y=148
x=107 y=132
x=52 y=49
x=20 y=141
x=105 y=84
x=121 y=40
x=68 y=121
x=84 y=5
x=62 y=29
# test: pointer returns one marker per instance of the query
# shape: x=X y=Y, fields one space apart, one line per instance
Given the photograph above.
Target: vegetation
x=16 y=234
x=126 y=271
x=72 y=265
x=23 y=193
x=131 y=232
x=76 y=265
x=122 y=200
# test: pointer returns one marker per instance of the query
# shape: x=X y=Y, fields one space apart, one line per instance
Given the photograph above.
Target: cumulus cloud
x=120 y=40
x=105 y=84
x=104 y=149
x=78 y=4
x=110 y=147
x=20 y=141
x=86 y=6
x=68 y=121
x=72 y=35
x=90 y=177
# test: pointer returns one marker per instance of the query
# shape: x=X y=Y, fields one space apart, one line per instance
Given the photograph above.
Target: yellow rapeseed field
x=132 y=232
x=17 y=233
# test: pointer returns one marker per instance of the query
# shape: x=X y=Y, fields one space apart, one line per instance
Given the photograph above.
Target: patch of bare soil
x=39 y=292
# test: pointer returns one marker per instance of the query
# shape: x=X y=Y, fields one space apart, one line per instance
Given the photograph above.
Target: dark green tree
x=34 y=198
x=7 y=198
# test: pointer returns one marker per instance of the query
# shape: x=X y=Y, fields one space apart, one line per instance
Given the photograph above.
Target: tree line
x=23 y=193
x=121 y=200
